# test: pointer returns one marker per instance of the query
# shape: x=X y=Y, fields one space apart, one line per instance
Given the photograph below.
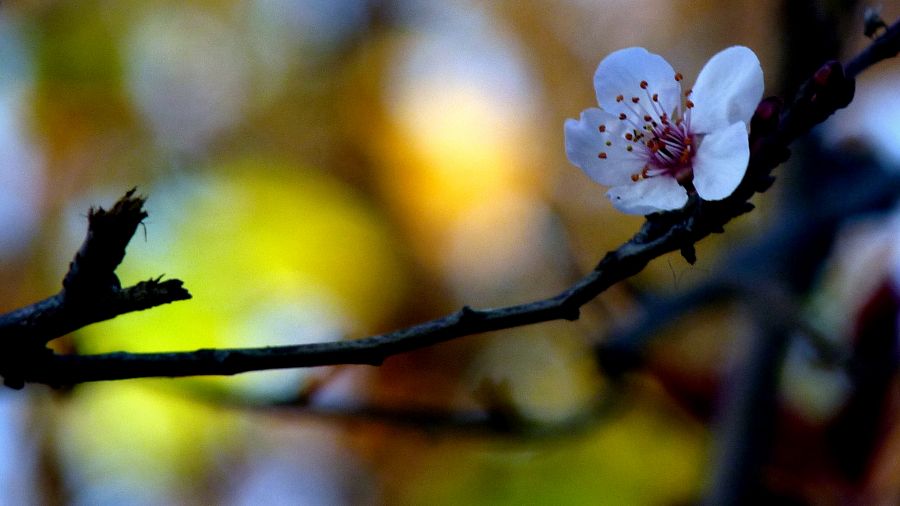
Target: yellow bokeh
x=451 y=149
x=115 y=438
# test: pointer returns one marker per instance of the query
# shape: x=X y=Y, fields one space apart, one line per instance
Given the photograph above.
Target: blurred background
x=329 y=169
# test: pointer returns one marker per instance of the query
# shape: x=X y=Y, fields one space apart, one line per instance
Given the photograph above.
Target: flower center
x=671 y=150
x=662 y=138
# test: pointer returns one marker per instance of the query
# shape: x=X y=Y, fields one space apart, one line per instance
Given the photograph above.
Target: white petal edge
x=721 y=161
x=584 y=142
x=649 y=195
x=621 y=73
x=727 y=90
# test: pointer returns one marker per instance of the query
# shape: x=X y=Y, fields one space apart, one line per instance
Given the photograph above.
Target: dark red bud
x=829 y=74
x=768 y=109
x=821 y=76
x=765 y=119
x=830 y=80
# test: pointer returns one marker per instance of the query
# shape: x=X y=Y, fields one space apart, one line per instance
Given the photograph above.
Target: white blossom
x=650 y=139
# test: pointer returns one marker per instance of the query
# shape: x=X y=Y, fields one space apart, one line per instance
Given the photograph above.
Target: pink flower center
x=663 y=139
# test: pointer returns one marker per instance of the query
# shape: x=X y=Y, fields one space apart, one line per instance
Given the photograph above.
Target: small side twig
x=91 y=291
x=887 y=45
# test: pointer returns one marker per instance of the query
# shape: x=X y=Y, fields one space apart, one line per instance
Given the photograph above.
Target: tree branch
x=772 y=131
x=91 y=291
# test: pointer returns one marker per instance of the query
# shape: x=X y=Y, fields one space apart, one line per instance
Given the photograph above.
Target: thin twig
x=884 y=47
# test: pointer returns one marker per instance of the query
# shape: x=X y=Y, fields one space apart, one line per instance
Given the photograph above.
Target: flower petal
x=621 y=73
x=662 y=193
x=727 y=90
x=585 y=142
x=721 y=161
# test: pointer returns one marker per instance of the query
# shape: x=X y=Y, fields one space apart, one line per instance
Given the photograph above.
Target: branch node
x=467 y=313
x=689 y=253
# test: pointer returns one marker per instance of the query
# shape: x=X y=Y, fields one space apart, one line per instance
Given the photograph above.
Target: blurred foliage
x=320 y=170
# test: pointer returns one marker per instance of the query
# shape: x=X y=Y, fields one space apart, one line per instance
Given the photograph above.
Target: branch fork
x=91 y=292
